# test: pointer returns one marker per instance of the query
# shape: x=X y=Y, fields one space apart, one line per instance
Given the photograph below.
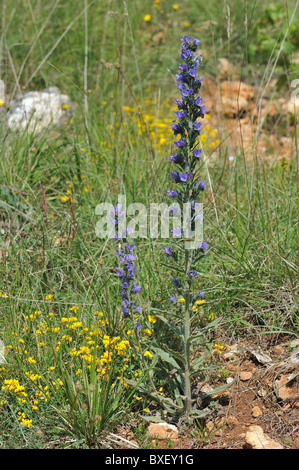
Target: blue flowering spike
x=127 y=277
x=186 y=127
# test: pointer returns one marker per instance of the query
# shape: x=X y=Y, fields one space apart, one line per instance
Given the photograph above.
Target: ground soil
x=258 y=396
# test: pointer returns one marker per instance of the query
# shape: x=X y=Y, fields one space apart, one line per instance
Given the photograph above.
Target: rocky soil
x=259 y=411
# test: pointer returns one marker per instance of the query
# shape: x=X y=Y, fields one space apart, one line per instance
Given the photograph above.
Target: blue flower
x=192 y=72
x=175 y=175
x=176 y=232
x=136 y=287
x=176 y=158
x=180 y=143
x=183 y=67
x=193 y=273
x=177 y=128
x=126 y=275
x=180 y=114
x=198 y=101
x=167 y=250
x=188 y=125
x=176 y=282
x=204 y=246
x=185 y=176
x=200 y=185
x=172 y=193
x=197 y=126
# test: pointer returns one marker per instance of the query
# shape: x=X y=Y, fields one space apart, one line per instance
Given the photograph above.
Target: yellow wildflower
x=149 y=354
x=152 y=319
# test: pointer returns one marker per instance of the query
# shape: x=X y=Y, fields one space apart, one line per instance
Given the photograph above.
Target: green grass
x=250 y=276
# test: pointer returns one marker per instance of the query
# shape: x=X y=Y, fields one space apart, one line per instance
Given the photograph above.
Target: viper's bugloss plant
x=188 y=187
x=128 y=285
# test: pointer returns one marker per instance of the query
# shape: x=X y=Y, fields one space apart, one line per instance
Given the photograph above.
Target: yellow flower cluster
x=71 y=323
x=25 y=421
x=14 y=387
x=65 y=340
x=218 y=348
x=150 y=123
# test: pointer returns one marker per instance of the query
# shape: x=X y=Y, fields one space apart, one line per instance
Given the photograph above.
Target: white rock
x=256 y=439
x=38 y=110
x=229 y=380
x=163 y=431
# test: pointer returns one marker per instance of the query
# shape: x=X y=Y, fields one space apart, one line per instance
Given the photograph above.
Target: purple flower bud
x=130 y=247
x=185 y=92
x=176 y=282
x=172 y=193
x=176 y=158
x=197 y=126
x=117 y=208
x=138 y=326
x=180 y=143
x=175 y=175
x=180 y=114
x=185 y=54
x=167 y=250
x=176 y=232
x=204 y=246
x=193 y=273
x=183 y=67
x=192 y=72
x=198 y=217
x=179 y=103
x=185 y=176
x=125 y=312
x=136 y=287
x=197 y=153
x=201 y=185
x=197 y=101
x=172 y=299
x=180 y=77
x=177 y=128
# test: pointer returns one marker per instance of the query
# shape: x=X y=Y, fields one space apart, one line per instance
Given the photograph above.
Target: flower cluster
x=187 y=126
x=129 y=286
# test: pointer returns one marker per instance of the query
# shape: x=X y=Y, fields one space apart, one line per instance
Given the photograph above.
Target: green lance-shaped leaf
x=165 y=356
x=218 y=389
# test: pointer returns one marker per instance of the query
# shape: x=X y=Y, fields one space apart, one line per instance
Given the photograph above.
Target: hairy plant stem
x=187 y=378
